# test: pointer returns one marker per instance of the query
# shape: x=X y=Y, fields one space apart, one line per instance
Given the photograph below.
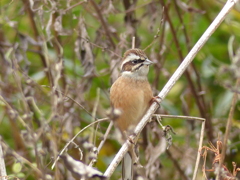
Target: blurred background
x=59 y=59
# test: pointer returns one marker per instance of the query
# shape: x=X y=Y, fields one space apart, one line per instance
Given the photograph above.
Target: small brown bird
x=131 y=94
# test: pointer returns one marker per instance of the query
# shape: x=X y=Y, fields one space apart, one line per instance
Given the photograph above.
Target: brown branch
x=201 y=106
x=198 y=79
x=36 y=37
x=101 y=47
x=161 y=59
x=71 y=141
x=38 y=173
x=228 y=128
x=130 y=20
x=57 y=44
x=105 y=26
x=183 y=25
x=176 y=164
x=3 y=172
x=75 y=5
x=177 y=74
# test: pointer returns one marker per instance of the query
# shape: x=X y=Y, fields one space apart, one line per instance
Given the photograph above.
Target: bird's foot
x=156 y=99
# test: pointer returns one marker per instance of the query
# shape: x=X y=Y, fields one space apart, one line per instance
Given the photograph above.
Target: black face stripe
x=130 y=66
x=139 y=67
x=136 y=61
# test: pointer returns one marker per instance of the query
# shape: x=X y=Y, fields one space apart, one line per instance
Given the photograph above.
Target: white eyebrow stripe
x=129 y=58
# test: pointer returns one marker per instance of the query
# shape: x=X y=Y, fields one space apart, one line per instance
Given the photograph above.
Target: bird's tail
x=127 y=167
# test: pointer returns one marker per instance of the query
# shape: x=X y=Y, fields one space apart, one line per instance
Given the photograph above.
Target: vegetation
x=59 y=59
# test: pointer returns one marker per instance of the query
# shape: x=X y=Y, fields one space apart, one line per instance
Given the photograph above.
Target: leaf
x=17 y=167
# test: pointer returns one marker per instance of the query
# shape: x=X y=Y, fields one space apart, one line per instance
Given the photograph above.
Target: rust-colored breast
x=132 y=98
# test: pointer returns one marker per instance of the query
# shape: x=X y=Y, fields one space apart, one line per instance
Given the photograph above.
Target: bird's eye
x=135 y=61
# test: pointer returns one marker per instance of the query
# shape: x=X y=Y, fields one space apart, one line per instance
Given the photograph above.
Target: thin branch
x=131 y=9
x=199 y=148
x=23 y=160
x=93 y=135
x=177 y=166
x=71 y=99
x=36 y=37
x=101 y=47
x=183 y=66
x=105 y=136
x=180 y=117
x=3 y=172
x=228 y=129
x=105 y=26
x=198 y=78
x=71 y=141
x=179 y=15
x=75 y=5
x=133 y=42
x=200 y=139
x=200 y=105
x=103 y=141
x=15 y=113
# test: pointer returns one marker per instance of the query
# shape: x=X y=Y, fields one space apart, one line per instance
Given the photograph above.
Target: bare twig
x=200 y=105
x=105 y=136
x=105 y=26
x=199 y=148
x=177 y=165
x=103 y=141
x=228 y=129
x=200 y=139
x=23 y=160
x=95 y=128
x=198 y=80
x=65 y=147
x=75 y=5
x=3 y=172
x=101 y=47
x=180 y=117
x=71 y=99
x=36 y=37
x=154 y=40
x=15 y=113
x=131 y=9
x=229 y=5
x=133 y=42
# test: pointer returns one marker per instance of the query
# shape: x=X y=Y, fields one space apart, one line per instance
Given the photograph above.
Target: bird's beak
x=147 y=62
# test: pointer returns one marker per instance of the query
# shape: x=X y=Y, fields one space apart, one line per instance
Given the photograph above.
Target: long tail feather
x=127 y=167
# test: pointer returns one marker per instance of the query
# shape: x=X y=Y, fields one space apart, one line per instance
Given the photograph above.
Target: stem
x=183 y=66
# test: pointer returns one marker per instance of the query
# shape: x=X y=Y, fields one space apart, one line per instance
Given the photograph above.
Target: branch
x=37 y=36
x=200 y=105
x=23 y=160
x=71 y=141
x=3 y=172
x=228 y=129
x=183 y=66
x=105 y=26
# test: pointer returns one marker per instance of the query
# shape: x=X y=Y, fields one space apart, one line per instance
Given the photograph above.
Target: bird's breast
x=132 y=98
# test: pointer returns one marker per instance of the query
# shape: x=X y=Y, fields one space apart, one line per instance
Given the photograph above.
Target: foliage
x=59 y=59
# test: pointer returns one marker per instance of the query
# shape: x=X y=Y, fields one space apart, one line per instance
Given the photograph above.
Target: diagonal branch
x=228 y=129
x=105 y=26
x=178 y=73
x=200 y=104
x=3 y=172
x=37 y=36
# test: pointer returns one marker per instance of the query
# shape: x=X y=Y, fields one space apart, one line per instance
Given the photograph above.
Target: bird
x=131 y=96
